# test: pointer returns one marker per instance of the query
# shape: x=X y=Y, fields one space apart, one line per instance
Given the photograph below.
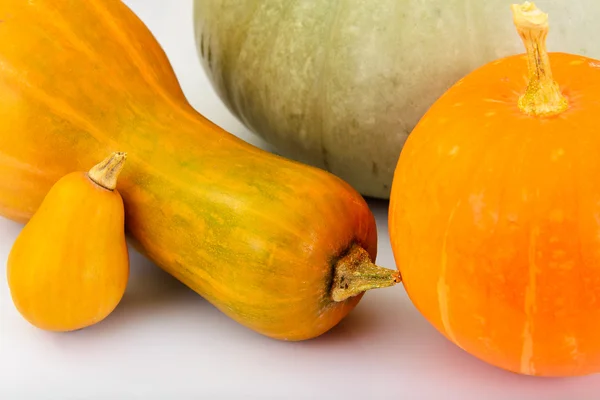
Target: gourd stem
x=542 y=96
x=107 y=171
x=355 y=273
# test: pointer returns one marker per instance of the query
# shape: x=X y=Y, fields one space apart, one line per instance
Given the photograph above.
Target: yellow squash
x=69 y=266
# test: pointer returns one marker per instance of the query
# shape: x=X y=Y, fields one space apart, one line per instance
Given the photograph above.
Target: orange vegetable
x=284 y=249
x=69 y=267
x=495 y=211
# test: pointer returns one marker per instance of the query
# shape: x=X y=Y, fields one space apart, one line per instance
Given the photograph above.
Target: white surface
x=165 y=342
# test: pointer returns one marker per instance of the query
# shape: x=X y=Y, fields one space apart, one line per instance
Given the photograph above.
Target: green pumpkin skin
x=340 y=84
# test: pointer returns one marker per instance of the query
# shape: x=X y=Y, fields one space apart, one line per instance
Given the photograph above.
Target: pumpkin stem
x=355 y=273
x=107 y=171
x=542 y=96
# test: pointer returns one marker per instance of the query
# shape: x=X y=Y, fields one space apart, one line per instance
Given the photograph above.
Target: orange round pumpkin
x=495 y=210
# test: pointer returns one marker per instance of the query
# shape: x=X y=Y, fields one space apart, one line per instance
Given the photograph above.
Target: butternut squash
x=68 y=268
x=283 y=248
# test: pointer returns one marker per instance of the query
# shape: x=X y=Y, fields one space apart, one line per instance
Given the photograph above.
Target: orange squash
x=282 y=248
x=68 y=268
x=495 y=212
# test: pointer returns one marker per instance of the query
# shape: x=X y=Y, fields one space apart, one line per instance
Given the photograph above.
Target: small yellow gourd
x=69 y=266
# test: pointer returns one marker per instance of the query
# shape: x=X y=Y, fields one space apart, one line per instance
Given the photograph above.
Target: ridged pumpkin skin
x=495 y=214
x=255 y=234
x=69 y=266
x=340 y=83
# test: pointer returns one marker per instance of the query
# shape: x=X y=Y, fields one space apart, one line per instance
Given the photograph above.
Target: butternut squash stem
x=106 y=172
x=542 y=96
x=355 y=273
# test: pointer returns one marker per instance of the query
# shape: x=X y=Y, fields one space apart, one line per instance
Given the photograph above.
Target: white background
x=165 y=342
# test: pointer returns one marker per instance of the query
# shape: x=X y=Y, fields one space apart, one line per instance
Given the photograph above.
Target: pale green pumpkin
x=339 y=84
